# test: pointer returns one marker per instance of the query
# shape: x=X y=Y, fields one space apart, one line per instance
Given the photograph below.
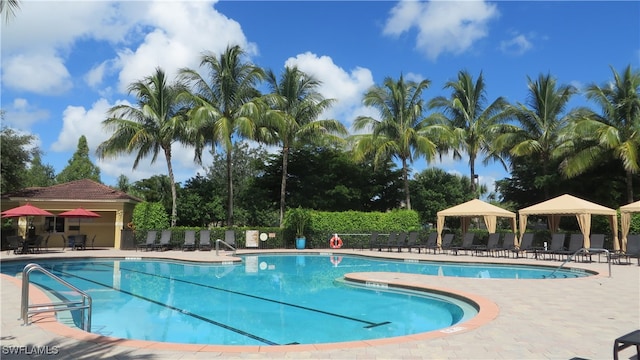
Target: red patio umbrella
x=79 y=213
x=25 y=210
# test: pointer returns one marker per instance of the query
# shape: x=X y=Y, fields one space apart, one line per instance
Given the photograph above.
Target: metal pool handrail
x=26 y=310
x=585 y=250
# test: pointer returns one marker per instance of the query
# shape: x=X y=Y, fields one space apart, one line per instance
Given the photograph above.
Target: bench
x=624 y=341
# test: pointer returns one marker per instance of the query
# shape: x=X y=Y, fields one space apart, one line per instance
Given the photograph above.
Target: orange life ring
x=335 y=242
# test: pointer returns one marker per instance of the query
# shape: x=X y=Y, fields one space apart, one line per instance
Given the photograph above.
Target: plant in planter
x=298 y=219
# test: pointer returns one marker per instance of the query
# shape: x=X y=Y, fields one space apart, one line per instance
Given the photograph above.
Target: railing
x=27 y=310
x=585 y=250
x=225 y=244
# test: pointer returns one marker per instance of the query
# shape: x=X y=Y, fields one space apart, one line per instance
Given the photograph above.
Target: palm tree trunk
x=229 y=189
x=629 y=187
x=405 y=179
x=174 y=195
x=283 y=183
x=472 y=166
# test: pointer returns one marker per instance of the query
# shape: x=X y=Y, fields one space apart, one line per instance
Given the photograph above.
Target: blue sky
x=65 y=63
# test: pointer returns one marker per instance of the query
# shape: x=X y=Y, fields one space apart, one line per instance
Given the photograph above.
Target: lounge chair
x=526 y=246
x=399 y=241
x=446 y=244
x=493 y=245
x=377 y=241
x=15 y=244
x=430 y=244
x=467 y=244
x=557 y=244
x=391 y=240
x=576 y=242
x=412 y=240
x=633 y=249
x=508 y=244
x=150 y=243
x=597 y=242
x=165 y=241
x=373 y=240
x=189 y=240
x=205 y=240
x=230 y=237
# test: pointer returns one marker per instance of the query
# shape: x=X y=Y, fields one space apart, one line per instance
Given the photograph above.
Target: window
x=53 y=224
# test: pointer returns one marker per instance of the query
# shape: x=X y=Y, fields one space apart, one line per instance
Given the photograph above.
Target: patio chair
x=557 y=244
x=430 y=244
x=575 y=243
x=508 y=244
x=150 y=242
x=205 y=240
x=189 y=240
x=15 y=244
x=597 y=242
x=493 y=245
x=526 y=246
x=165 y=241
x=412 y=240
x=373 y=240
x=36 y=245
x=446 y=244
x=230 y=237
x=633 y=249
x=396 y=241
x=467 y=244
x=79 y=242
x=93 y=241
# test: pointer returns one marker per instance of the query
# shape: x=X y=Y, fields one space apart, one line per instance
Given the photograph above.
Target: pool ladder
x=218 y=242
x=585 y=250
x=27 y=310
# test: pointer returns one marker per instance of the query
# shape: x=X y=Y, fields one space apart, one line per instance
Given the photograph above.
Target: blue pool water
x=266 y=300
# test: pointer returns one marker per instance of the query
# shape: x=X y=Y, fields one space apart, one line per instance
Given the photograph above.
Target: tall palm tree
x=474 y=126
x=615 y=133
x=151 y=126
x=9 y=8
x=540 y=124
x=226 y=106
x=298 y=104
x=401 y=132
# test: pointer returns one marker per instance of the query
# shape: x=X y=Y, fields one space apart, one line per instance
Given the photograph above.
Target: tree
x=225 y=106
x=473 y=125
x=39 y=174
x=8 y=8
x=613 y=134
x=401 y=132
x=151 y=127
x=434 y=190
x=297 y=101
x=154 y=189
x=79 y=166
x=15 y=156
x=200 y=203
x=540 y=123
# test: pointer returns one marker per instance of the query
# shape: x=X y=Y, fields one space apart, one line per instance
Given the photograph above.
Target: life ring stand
x=335 y=242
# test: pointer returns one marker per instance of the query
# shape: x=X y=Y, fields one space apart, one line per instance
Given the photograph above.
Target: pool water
x=266 y=300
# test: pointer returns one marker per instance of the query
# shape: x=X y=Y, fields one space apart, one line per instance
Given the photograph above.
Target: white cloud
x=443 y=26
x=39 y=74
x=21 y=115
x=337 y=83
x=517 y=45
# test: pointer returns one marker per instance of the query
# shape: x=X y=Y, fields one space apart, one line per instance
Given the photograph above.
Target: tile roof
x=84 y=189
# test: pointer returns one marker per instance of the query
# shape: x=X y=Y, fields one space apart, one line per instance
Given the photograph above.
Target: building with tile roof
x=114 y=207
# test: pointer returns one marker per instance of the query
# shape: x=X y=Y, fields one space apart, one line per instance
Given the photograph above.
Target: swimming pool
x=266 y=300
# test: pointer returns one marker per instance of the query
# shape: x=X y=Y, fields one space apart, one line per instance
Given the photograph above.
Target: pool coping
x=487 y=311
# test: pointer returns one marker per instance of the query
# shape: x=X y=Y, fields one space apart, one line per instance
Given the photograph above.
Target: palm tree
x=226 y=106
x=402 y=132
x=158 y=120
x=540 y=122
x=473 y=125
x=9 y=8
x=615 y=133
x=298 y=104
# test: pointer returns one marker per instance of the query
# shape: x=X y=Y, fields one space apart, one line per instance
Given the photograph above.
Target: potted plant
x=297 y=220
